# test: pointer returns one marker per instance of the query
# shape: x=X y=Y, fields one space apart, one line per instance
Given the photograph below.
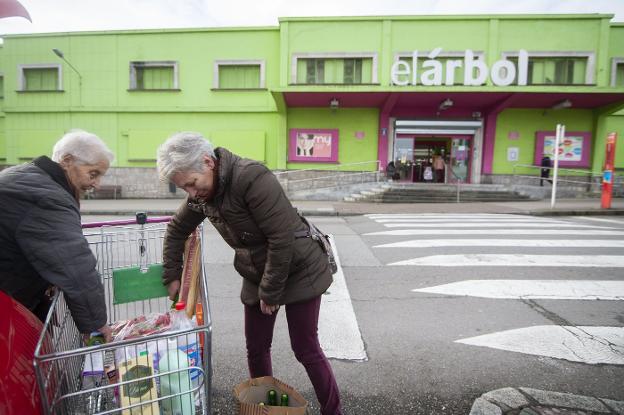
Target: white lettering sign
x=476 y=72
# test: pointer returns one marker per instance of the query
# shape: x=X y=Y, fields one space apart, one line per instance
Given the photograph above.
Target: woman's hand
x=268 y=309
x=173 y=288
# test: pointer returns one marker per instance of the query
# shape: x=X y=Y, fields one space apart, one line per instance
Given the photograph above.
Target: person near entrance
x=279 y=262
x=438 y=167
x=545 y=171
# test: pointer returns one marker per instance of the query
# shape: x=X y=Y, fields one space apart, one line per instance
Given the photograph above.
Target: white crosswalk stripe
x=586 y=344
x=532 y=289
x=517 y=260
x=537 y=243
x=491 y=225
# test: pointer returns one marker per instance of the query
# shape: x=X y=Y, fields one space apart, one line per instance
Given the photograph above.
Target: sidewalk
x=563 y=207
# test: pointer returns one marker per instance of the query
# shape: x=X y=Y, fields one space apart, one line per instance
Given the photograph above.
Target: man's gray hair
x=183 y=153
x=85 y=147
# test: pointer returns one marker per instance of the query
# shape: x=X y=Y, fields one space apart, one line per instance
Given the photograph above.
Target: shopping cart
x=68 y=373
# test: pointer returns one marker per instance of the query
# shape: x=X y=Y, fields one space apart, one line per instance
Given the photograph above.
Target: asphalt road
x=415 y=364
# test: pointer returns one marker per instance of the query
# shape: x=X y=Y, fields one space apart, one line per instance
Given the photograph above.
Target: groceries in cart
x=166 y=363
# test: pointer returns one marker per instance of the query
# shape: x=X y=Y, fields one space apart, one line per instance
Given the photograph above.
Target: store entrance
x=421 y=159
x=432 y=159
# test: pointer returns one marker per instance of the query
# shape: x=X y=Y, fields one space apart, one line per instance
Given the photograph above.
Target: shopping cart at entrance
x=143 y=374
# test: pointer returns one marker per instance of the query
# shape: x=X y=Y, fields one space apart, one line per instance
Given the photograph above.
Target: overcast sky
x=81 y=15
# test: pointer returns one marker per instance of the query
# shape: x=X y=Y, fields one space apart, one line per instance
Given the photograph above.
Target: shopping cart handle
x=158 y=219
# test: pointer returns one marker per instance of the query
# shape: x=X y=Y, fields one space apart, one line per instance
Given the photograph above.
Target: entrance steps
x=436 y=193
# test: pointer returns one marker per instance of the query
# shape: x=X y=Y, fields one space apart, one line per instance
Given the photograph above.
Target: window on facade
x=555 y=70
x=315 y=71
x=350 y=71
x=40 y=79
x=239 y=76
x=1 y=87
x=617 y=79
x=153 y=76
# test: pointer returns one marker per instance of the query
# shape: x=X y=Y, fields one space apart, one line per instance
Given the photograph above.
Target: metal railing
x=592 y=181
x=335 y=176
x=458 y=180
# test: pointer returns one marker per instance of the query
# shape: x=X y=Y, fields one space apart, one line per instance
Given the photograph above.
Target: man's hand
x=268 y=309
x=173 y=288
x=107 y=332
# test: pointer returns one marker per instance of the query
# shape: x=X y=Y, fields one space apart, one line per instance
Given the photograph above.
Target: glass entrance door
x=404 y=158
x=460 y=160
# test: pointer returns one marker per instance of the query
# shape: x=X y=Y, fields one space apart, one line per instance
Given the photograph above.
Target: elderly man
x=40 y=232
x=246 y=204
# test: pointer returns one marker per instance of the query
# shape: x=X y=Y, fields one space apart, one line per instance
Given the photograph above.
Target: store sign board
x=476 y=72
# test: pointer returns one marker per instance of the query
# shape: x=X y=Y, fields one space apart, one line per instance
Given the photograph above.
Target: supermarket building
x=344 y=93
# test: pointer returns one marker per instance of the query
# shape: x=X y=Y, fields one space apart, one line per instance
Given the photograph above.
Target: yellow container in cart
x=139 y=391
x=125 y=250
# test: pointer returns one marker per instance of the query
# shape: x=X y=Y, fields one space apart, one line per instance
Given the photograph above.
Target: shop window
x=154 y=76
x=617 y=73
x=39 y=78
x=559 y=69
x=336 y=68
x=239 y=75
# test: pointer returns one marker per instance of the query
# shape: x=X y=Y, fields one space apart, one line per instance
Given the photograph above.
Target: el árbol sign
x=476 y=72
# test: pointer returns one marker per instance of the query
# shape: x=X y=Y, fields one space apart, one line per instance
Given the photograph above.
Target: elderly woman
x=40 y=233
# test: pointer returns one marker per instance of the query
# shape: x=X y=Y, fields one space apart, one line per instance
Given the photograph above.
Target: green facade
x=247 y=88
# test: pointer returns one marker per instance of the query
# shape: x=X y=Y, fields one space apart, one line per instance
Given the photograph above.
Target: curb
x=530 y=401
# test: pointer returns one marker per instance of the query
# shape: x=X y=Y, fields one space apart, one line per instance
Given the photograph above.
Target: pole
x=607 y=175
x=558 y=136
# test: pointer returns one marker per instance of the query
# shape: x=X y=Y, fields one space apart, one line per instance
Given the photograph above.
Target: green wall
x=134 y=123
x=527 y=122
x=348 y=121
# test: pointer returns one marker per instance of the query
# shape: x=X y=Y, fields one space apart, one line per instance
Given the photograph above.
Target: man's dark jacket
x=254 y=216
x=43 y=245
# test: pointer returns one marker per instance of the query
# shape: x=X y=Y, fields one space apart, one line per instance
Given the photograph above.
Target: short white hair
x=183 y=152
x=85 y=147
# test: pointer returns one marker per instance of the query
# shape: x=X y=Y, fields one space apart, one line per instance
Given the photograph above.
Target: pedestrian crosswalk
x=485 y=231
x=485 y=240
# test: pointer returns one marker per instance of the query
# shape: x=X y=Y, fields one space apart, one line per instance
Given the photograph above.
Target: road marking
x=491 y=225
x=619 y=222
x=465 y=220
x=411 y=232
x=585 y=344
x=445 y=215
x=339 y=333
x=538 y=243
x=492 y=260
x=532 y=289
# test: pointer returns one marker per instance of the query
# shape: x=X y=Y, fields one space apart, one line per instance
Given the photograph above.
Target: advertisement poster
x=570 y=148
x=314 y=144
